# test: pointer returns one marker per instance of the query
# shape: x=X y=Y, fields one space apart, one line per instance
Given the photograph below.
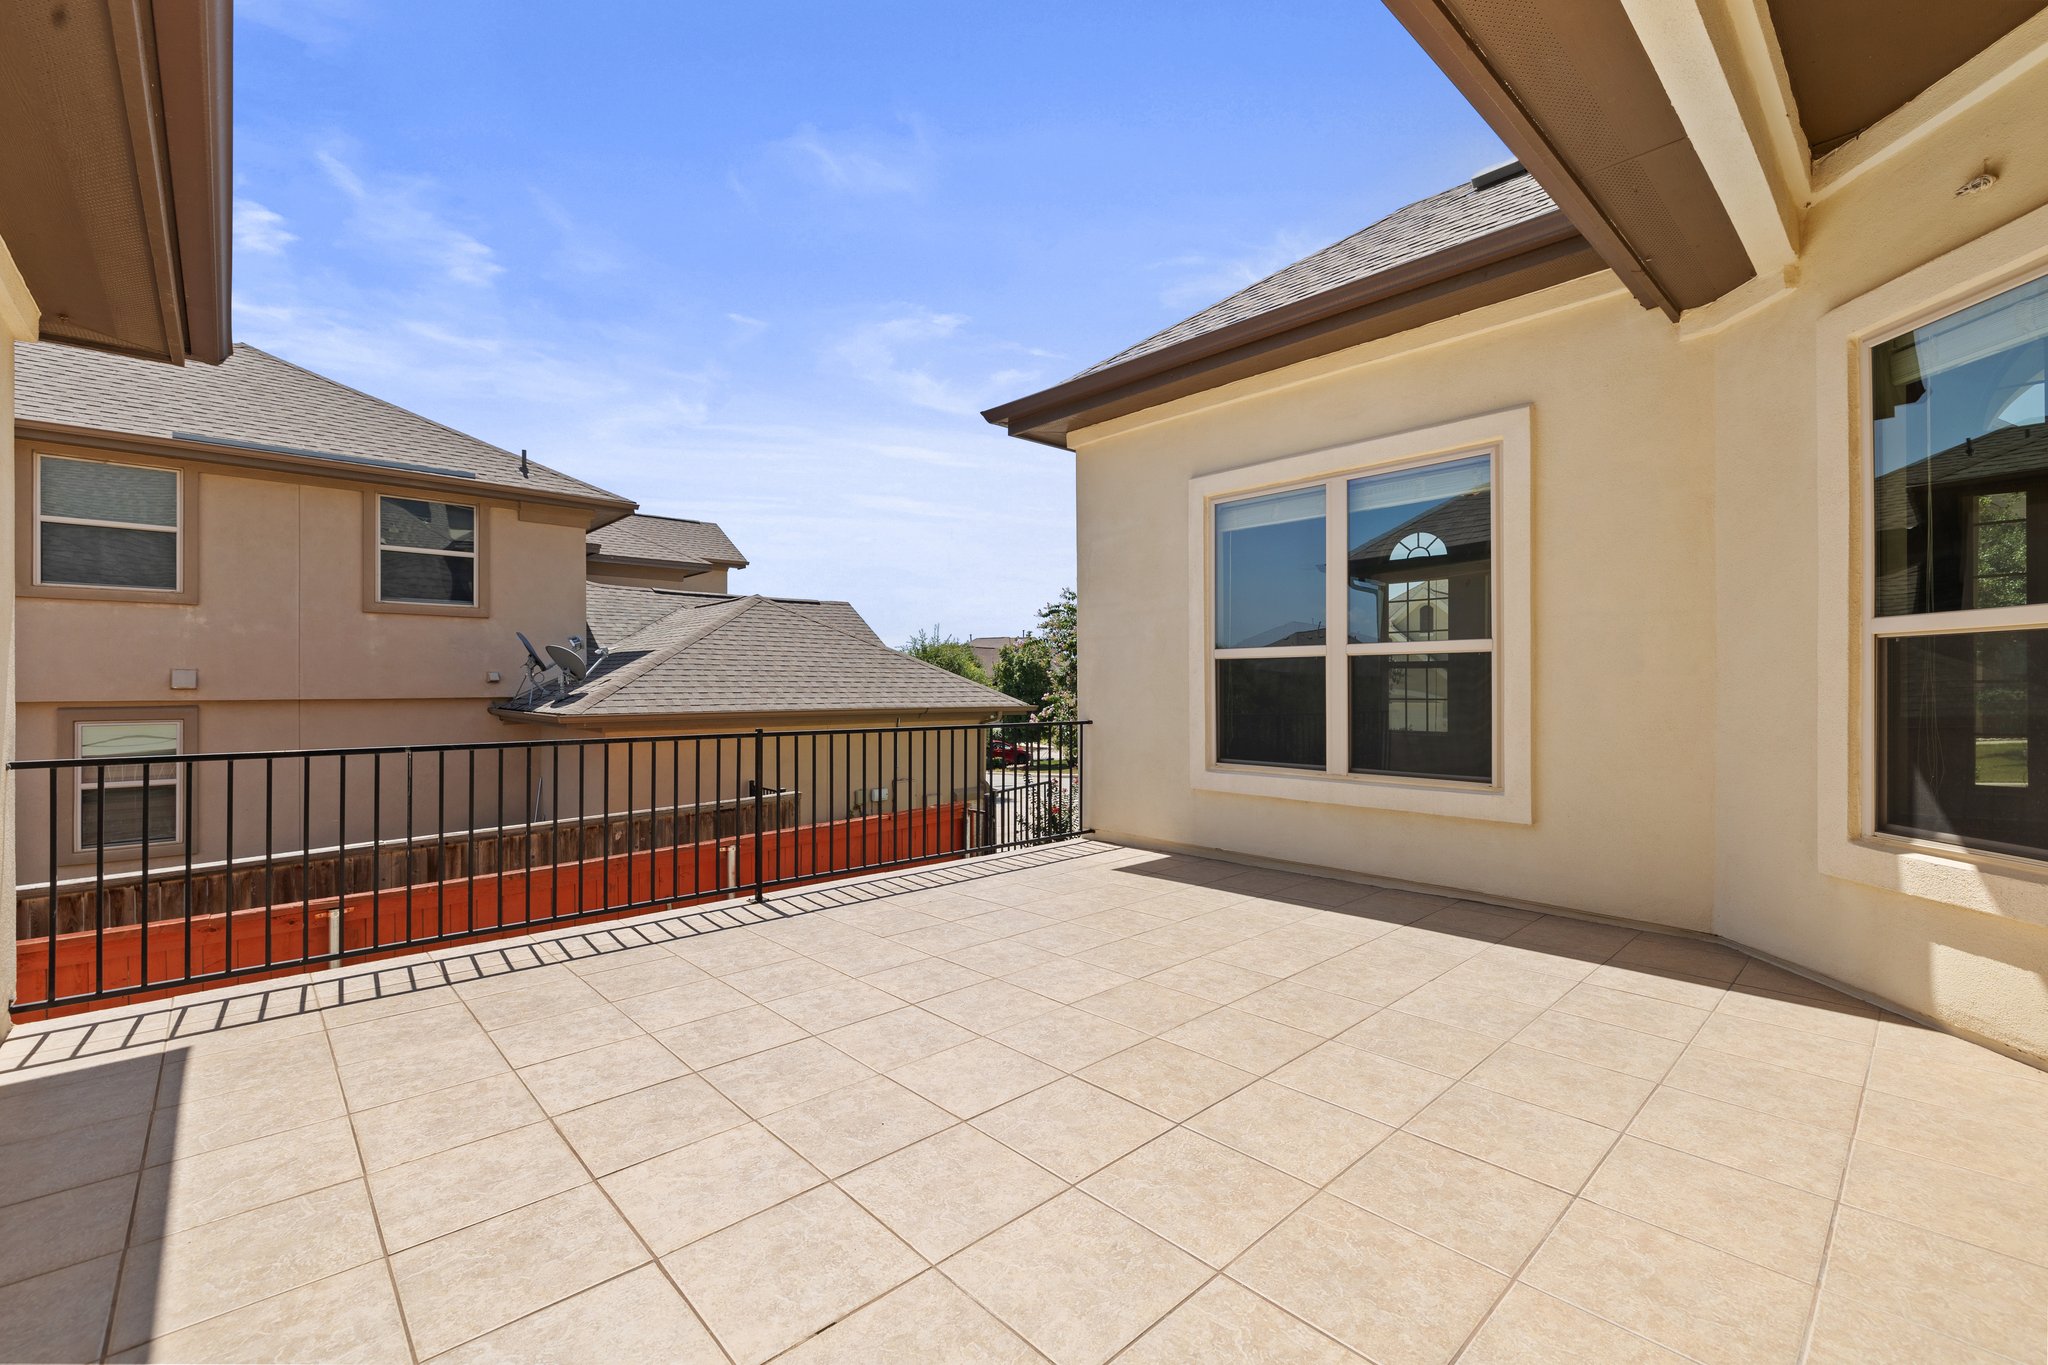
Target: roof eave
x=648 y=562
x=1532 y=255
x=98 y=438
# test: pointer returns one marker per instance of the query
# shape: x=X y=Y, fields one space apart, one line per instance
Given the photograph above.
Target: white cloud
x=861 y=163
x=259 y=230
x=390 y=212
x=873 y=354
x=316 y=23
x=1203 y=278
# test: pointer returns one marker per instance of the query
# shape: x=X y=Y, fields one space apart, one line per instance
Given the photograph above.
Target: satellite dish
x=532 y=655
x=569 y=661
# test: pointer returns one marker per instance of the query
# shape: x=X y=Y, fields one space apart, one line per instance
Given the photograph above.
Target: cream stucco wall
x=1675 y=579
x=651 y=576
x=19 y=319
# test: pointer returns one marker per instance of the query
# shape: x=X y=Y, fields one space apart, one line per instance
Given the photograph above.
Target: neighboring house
x=1693 y=492
x=694 y=664
x=988 y=649
x=644 y=551
x=115 y=183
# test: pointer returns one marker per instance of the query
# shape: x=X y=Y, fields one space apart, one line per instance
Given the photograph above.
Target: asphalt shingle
x=674 y=540
x=253 y=398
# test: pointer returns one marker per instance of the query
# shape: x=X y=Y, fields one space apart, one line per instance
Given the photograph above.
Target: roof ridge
x=630 y=672
x=422 y=417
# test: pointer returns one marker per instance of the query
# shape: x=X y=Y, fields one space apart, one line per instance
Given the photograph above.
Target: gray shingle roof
x=1456 y=216
x=253 y=398
x=674 y=540
x=712 y=655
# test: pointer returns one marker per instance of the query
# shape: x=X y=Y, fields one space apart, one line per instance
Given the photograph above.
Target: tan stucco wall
x=282 y=611
x=1675 y=586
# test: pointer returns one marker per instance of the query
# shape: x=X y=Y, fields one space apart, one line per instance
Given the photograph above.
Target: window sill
x=425 y=609
x=156 y=597
x=1412 y=795
x=2000 y=884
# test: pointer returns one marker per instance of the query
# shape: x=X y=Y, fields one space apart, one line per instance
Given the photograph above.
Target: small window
x=426 y=552
x=129 y=801
x=101 y=525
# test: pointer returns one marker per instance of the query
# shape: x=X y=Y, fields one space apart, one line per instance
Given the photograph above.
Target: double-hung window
x=104 y=525
x=426 y=552
x=123 y=798
x=1349 y=643
x=1958 y=617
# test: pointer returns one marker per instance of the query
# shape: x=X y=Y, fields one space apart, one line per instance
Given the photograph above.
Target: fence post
x=758 y=777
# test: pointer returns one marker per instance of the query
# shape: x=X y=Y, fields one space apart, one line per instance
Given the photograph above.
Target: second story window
x=102 y=525
x=426 y=552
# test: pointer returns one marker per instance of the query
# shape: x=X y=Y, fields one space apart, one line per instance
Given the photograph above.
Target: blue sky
x=763 y=263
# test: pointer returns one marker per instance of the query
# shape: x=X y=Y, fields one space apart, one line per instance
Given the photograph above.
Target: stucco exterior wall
x=17 y=323
x=650 y=576
x=1678 y=711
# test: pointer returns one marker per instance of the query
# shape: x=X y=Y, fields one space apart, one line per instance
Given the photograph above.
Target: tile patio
x=1086 y=1104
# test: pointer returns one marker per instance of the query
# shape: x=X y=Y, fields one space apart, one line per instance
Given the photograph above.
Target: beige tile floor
x=1087 y=1104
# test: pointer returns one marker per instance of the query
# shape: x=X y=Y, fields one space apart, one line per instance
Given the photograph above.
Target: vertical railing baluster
x=50 y=966
x=191 y=771
x=227 y=923
x=269 y=857
x=757 y=815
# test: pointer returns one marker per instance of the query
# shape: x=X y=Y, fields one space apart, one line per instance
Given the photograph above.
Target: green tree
x=947 y=652
x=1024 y=671
x=1056 y=621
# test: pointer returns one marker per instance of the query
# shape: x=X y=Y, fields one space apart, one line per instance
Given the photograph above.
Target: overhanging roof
x=1463 y=249
x=116 y=162
x=1569 y=87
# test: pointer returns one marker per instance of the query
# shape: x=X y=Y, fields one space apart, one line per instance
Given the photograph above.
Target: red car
x=1002 y=752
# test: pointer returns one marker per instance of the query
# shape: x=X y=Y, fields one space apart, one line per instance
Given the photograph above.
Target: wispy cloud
x=1199 y=278
x=861 y=162
x=259 y=230
x=316 y=23
x=874 y=354
x=391 y=211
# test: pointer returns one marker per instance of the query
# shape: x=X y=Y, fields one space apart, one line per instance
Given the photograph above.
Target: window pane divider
x=1273 y=652
x=1969 y=621
x=1421 y=647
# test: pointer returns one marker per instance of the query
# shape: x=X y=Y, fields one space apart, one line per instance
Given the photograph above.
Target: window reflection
x=1269 y=571
x=1961 y=449
x=1421 y=550
x=1423 y=715
x=1270 y=711
x=1960 y=716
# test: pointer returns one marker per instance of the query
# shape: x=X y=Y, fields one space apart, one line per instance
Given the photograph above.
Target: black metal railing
x=217 y=867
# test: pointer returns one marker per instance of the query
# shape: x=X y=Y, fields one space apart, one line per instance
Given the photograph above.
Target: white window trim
x=38 y=517
x=88 y=780
x=1509 y=798
x=1850 y=844
x=476 y=532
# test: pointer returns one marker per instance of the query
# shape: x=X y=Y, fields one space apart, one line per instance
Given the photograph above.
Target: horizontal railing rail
x=150 y=874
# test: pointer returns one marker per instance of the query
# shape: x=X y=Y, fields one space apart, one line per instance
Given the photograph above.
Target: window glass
x=97 y=525
x=1960 y=713
x=1270 y=711
x=1961 y=458
x=427 y=551
x=130 y=794
x=1423 y=715
x=1420 y=551
x=1269 y=571
x=91 y=491
x=108 y=557
x=415 y=524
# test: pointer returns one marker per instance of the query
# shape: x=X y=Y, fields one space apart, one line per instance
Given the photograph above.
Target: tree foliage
x=1056 y=628
x=947 y=652
x=1024 y=671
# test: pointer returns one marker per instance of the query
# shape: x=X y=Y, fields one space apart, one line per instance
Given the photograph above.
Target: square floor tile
x=1249 y=1042
x=1383 y=1291
x=975 y=1076
x=741 y=1280
x=1077 y=1280
x=582 y=1078
x=1072 y=1128
x=729 y=1036
x=1491 y=1215
x=1225 y=1321
x=425 y=1199
x=638 y=1316
x=1544 y=1145
x=903 y=1034
x=631 y=1128
x=692 y=1191
x=1364 y=1082
x=1308 y=1138
x=950 y=1190
x=767 y=1081
x=1197 y=1193
x=1068 y=1038
x=855 y=1124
